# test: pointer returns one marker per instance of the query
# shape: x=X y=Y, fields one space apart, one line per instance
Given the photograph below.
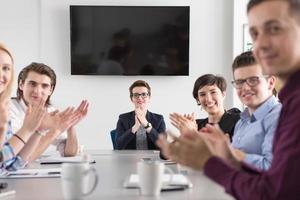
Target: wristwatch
x=148 y=125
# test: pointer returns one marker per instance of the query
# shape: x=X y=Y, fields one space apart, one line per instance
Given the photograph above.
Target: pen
x=173 y=188
x=50 y=163
x=59 y=162
x=7 y=193
x=53 y=172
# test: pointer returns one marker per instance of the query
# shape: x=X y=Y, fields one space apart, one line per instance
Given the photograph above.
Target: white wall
x=239 y=19
x=39 y=31
x=19 y=29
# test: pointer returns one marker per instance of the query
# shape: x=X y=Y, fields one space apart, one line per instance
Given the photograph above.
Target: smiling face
x=36 y=87
x=211 y=99
x=253 y=96
x=140 y=97
x=6 y=66
x=276 y=36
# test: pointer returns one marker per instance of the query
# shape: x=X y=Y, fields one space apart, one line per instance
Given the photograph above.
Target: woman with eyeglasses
x=139 y=129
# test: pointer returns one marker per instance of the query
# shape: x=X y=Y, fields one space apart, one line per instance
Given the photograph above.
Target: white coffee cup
x=151 y=177
x=75 y=178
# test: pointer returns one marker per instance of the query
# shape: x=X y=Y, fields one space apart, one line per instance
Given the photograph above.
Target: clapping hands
x=34 y=116
x=3 y=114
x=218 y=143
x=193 y=148
x=184 y=123
x=140 y=119
x=61 y=121
x=141 y=116
x=189 y=150
x=3 y=120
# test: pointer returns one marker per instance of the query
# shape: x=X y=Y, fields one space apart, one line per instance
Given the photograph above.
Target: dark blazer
x=227 y=122
x=125 y=139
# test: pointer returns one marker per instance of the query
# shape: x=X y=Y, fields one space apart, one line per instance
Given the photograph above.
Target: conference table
x=113 y=167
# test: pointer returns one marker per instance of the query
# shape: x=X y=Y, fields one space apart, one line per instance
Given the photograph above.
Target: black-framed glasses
x=137 y=95
x=252 y=81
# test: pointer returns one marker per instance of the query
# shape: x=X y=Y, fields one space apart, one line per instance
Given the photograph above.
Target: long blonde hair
x=6 y=93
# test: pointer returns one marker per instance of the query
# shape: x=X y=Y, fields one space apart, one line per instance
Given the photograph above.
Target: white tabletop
x=113 y=167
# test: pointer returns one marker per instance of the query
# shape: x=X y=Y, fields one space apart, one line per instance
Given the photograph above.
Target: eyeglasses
x=137 y=95
x=251 y=81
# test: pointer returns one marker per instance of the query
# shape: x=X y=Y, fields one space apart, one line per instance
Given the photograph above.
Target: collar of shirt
x=290 y=87
x=24 y=106
x=261 y=111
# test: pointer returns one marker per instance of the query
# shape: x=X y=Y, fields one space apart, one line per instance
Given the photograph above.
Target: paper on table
x=33 y=173
x=178 y=179
x=4 y=194
x=59 y=160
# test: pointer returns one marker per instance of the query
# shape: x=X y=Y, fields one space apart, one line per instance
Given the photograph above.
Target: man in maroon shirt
x=275 y=31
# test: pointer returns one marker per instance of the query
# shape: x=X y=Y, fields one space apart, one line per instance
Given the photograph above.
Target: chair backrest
x=113 y=138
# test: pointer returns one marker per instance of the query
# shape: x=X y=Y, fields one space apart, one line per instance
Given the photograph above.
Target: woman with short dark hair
x=209 y=92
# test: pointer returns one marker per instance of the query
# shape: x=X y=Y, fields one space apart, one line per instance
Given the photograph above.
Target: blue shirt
x=254 y=134
x=10 y=160
x=281 y=180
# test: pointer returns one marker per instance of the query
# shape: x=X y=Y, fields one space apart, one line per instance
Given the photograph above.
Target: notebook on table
x=179 y=181
x=60 y=160
x=33 y=173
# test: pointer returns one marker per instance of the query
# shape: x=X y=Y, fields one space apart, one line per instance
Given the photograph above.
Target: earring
x=199 y=104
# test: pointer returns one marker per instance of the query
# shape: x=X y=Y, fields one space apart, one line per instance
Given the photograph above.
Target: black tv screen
x=129 y=40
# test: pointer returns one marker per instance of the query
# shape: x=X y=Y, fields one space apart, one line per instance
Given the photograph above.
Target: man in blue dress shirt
x=253 y=133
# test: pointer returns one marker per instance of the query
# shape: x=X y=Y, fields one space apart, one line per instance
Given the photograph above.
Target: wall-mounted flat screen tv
x=129 y=40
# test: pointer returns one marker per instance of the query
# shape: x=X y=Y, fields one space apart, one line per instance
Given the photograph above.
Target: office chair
x=113 y=138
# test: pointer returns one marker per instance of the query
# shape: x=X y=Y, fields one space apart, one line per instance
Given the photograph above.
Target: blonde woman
x=15 y=148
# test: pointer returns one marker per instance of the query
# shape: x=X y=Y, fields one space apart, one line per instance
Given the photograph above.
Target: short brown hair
x=209 y=79
x=6 y=93
x=39 y=68
x=245 y=59
x=139 y=83
x=294 y=6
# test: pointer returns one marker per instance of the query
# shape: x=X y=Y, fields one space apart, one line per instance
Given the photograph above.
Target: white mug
x=151 y=177
x=75 y=178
